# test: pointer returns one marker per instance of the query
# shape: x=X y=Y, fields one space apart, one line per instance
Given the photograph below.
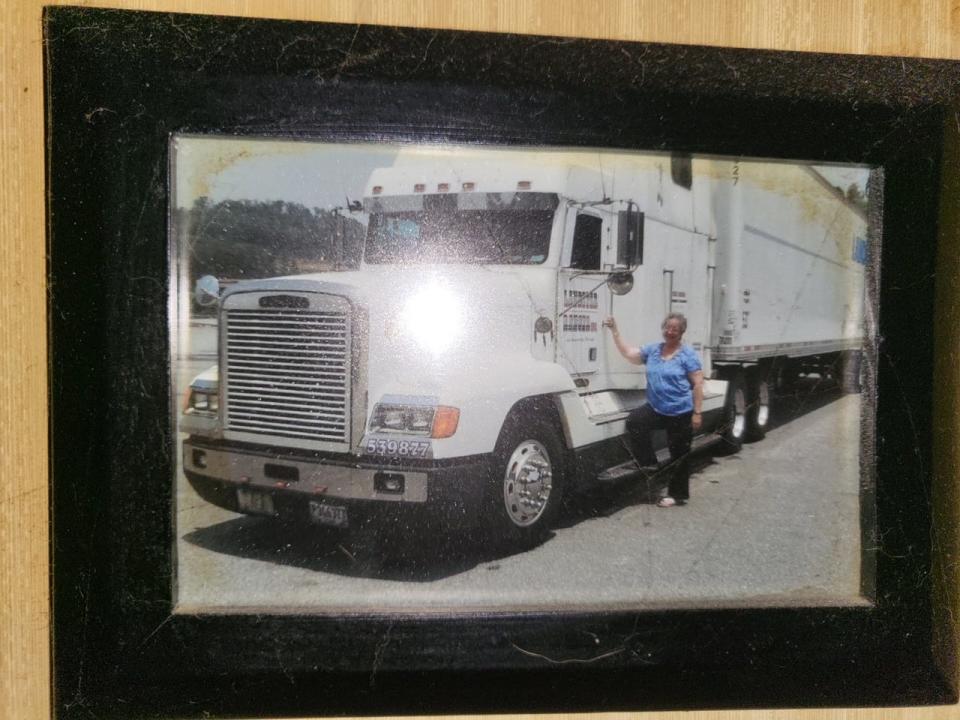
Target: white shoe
x=668 y=501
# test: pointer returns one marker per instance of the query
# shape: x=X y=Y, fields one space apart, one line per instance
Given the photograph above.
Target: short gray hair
x=675 y=316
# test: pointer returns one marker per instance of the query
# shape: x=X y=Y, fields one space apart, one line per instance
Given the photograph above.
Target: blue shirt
x=669 y=390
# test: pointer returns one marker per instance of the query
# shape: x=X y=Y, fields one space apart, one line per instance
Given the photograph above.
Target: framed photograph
x=402 y=371
x=430 y=360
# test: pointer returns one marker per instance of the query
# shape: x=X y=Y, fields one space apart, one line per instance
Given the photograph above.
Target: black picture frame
x=119 y=83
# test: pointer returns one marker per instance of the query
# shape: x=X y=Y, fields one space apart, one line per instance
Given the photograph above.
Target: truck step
x=629 y=468
x=702 y=441
x=606 y=417
x=619 y=472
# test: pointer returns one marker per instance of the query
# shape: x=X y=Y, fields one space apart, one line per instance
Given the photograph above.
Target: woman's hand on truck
x=612 y=324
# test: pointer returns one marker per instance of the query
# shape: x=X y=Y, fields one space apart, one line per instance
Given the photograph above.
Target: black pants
x=640 y=426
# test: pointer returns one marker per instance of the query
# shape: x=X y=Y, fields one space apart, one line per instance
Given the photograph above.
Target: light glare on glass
x=433 y=318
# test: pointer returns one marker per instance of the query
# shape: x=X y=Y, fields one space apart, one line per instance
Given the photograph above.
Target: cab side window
x=585 y=254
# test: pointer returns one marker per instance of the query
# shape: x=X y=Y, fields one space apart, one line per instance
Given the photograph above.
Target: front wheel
x=526 y=486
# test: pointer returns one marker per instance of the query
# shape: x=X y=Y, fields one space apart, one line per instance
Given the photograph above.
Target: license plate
x=258 y=503
x=323 y=514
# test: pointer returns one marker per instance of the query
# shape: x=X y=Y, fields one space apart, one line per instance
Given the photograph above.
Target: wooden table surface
x=927 y=28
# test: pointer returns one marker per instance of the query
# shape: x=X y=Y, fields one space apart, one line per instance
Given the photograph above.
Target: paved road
x=777 y=524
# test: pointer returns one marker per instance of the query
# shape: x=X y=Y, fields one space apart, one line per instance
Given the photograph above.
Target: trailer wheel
x=758 y=409
x=527 y=483
x=733 y=428
x=851 y=365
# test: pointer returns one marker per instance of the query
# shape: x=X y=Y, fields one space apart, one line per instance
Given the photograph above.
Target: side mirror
x=630 y=236
x=620 y=283
x=207 y=291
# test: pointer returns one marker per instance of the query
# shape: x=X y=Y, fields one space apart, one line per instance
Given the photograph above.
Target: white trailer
x=463 y=370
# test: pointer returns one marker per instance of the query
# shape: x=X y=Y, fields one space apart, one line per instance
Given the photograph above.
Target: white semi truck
x=463 y=370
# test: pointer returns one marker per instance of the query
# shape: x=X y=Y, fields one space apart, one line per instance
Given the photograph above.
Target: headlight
x=436 y=421
x=201 y=401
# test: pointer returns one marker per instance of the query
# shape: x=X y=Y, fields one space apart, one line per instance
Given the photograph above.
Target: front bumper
x=296 y=483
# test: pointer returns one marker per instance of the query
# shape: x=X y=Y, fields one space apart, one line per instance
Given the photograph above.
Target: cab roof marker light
x=468 y=186
x=443 y=187
x=419 y=188
x=377 y=189
x=523 y=185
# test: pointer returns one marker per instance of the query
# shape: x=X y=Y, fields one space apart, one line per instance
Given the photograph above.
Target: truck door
x=583 y=293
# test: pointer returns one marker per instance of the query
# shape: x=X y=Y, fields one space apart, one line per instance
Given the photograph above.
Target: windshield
x=441 y=230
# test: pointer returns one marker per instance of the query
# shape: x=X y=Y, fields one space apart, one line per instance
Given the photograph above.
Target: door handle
x=669 y=291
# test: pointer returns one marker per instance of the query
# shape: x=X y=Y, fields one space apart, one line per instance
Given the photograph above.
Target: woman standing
x=674 y=401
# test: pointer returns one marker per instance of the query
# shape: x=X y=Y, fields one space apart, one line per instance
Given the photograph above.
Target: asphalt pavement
x=775 y=525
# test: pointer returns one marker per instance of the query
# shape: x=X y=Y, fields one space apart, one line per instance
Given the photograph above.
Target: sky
x=321 y=175
x=313 y=174
x=842 y=176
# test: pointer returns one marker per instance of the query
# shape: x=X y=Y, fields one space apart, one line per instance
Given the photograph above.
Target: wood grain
x=928 y=28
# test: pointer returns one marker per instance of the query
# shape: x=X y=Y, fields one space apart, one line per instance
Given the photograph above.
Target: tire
x=733 y=427
x=526 y=486
x=759 y=394
x=851 y=365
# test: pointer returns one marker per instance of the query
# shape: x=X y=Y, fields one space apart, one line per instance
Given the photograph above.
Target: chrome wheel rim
x=527 y=483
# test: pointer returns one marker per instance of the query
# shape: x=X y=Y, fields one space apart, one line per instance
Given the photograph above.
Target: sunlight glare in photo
x=433 y=316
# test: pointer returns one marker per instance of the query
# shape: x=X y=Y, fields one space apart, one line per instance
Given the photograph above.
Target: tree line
x=245 y=239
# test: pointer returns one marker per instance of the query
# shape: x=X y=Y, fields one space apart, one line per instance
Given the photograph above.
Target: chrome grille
x=288 y=373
